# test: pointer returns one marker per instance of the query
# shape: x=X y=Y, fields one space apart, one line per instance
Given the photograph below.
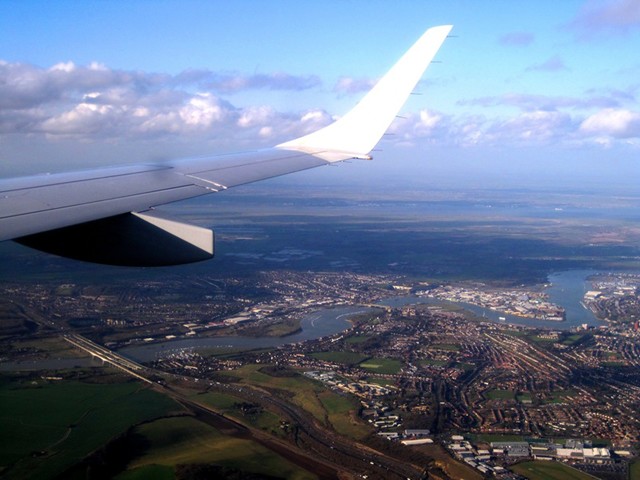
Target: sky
x=533 y=92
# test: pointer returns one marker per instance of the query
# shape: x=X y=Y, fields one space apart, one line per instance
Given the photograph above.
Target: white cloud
x=617 y=123
x=95 y=103
x=253 y=116
x=202 y=111
x=429 y=120
x=63 y=67
x=85 y=118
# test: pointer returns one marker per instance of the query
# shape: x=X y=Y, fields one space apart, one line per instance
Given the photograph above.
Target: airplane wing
x=106 y=215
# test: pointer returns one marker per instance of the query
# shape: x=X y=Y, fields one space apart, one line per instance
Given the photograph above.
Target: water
x=567 y=289
x=318 y=324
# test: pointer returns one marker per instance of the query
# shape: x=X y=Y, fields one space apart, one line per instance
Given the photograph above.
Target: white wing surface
x=104 y=215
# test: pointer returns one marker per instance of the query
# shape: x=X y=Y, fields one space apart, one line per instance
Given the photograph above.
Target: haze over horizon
x=522 y=95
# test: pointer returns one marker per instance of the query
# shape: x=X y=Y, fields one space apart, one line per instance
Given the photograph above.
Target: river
x=567 y=289
x=317 y=324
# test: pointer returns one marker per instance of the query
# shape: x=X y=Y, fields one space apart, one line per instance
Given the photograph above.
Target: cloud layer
x=96 y=103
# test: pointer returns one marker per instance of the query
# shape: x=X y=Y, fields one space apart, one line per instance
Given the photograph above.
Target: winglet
x=356 y=133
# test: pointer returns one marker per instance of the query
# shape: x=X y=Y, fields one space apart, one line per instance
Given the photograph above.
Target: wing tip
x=360 y=129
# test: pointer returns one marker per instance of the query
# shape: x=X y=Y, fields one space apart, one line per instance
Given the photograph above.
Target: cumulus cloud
x=517 y=39
x=27 y=86
x=528 y=128
x=94 y=101
x=617 y=123
x=253 y=116
x=607 y=17
x=537 y=127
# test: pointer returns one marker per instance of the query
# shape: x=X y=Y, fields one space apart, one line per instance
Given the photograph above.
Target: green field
x=449 y=347
x=148 y=472
x=185 y=440
x=347 y=358
x=549 y=471
x=229 y=405
x=524 y=398
x=634 y=470
x=48 y=427
x=300 y=390
x=382 y=366
x=315 y=398
x=571 y=339
x=341 y=412
x=501 y=395
x=358 y=339
x=383 y=382
x=464 y=366
x=434 y=363
x=560 y=396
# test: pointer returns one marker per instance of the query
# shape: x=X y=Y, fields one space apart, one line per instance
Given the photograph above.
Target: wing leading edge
x=102 y=215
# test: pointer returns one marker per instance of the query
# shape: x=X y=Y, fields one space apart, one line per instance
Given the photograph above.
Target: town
x=419 y=373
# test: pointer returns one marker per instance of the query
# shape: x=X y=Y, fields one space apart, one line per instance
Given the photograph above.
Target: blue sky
x=544 y=92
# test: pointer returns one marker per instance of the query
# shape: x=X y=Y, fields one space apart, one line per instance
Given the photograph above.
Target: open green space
x=634 y=470
x=382 y=366
x=342 y=414
x=185 y=440
x=283 y=328
x=147 y=472
x=549 y=471
x=324 y=404
x=464 y=366
x=571 y=339
x=560 y=396
x=48 y=427
x=538 y=339
x=231 y=406
x=501 y=394
x=524 y=398
x=355 y=339
x=298 y=389
x=383 y=382
x=347 y=358
x=433 y=363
